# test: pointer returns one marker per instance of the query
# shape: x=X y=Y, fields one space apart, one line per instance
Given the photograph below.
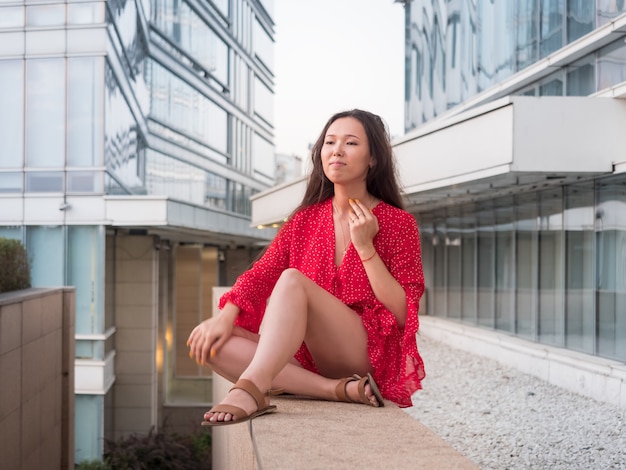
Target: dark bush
x=91 y=465
x=159 y=451
x=14 y=266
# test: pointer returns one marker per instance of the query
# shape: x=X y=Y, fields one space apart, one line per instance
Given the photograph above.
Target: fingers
x=360 y=212
x=201 y=346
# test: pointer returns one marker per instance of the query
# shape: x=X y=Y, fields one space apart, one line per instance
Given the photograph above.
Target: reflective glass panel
x=215 y=191
x=11 y=17
x=222 y=6
x=85 y=110
x=242 y=89
x=185 y=28
x=504 y=264
x=610 y=222
x=486 y=256
x=45 y=112
x=122 y=139
x=551 y=268
x=44 y=181
x=11 y=182
x=526 y=247
x=45 y=15
x=264 y=161
x=580 y=18
x=179 y=180
x=84 y=182
x=453 y=263
x=486 y=46
x=553 y=85
x=611 y=64
x=184 y=108
x=263 y=45
x=85 y=273
x=47 y=250
x=240 y=198
x=12 y=115
x=527 y=33
x=581 y=78
x=88 y=423
x=439 y=296
x=551 y=26
x=468 y=263
x=263 y=101
x=85 y=13
x=608 y=10
x=579 y=220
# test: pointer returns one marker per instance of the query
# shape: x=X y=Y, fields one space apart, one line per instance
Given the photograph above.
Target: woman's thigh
x=335 y=335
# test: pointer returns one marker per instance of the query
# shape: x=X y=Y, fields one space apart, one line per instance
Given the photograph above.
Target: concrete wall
x=37 y=379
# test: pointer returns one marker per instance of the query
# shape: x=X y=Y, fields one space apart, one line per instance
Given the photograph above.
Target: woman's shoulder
x=306 y=213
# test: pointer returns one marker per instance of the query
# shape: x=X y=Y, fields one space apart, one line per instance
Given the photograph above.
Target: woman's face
x=346 y=152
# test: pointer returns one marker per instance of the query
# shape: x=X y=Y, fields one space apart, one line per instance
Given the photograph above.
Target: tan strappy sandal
x=240 y=414
x=343 y=396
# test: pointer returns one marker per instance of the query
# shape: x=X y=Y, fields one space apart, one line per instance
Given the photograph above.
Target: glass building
x=525 y=231
x=132 y=135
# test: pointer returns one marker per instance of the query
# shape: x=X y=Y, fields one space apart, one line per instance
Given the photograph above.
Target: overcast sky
x=332 y=55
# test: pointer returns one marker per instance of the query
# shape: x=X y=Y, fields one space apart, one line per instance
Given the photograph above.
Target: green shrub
x=92 y=465
x=14 y=266
x=159 y=451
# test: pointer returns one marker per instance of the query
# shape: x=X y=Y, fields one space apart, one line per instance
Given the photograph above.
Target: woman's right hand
x=209 y=336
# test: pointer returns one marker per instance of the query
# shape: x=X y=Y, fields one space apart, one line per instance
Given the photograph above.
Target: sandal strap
x=252 y=390
x=361 y=388
x=340 y=390
x=237 y=412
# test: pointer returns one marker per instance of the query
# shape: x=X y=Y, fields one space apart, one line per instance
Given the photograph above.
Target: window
x=45 y=112
x=12 y=115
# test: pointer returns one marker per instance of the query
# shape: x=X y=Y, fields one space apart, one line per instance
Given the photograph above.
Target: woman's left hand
x=363 y=227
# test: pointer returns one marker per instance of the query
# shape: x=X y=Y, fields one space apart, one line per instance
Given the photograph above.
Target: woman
x=345 y=279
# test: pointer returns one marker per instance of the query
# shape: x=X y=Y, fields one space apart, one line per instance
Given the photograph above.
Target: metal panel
x=569 y=135
x=275 y=204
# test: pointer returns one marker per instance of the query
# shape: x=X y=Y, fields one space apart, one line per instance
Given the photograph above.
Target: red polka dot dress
x=306 y=243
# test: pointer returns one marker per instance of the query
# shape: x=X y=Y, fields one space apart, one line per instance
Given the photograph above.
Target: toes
x=217 y=417
x=370 y=395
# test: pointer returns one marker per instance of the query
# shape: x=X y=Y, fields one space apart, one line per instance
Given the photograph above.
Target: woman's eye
x=329 y=142
x=351 y=143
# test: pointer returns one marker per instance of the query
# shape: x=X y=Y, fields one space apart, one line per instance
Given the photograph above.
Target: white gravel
x=503 y=419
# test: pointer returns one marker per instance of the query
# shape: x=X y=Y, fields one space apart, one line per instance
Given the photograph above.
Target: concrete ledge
x=311 y=434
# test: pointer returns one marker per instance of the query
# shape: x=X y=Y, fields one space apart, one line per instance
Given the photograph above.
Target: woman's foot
x=358 y=389
x=244 y=402
x=235 y=397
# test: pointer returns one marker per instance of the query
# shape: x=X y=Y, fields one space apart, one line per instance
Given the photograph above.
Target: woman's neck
x=341 y=197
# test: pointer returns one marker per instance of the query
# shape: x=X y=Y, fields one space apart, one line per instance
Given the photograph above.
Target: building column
x=135 y=401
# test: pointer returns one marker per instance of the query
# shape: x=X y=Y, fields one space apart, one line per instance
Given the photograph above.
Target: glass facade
x=548 y=266
x=456 y=50
x=128 y=97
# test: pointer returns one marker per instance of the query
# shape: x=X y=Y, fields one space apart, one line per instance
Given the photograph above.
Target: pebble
x=503 y=419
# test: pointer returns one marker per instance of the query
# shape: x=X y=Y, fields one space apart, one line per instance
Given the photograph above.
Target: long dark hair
x=381 y=180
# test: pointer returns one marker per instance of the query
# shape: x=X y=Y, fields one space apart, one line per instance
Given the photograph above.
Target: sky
x=333 y=55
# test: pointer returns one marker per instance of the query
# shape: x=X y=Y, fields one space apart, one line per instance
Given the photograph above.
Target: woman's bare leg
x=299 y=310
x=237 y=353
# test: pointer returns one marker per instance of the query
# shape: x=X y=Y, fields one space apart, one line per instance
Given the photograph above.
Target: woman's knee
x=291 y=278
